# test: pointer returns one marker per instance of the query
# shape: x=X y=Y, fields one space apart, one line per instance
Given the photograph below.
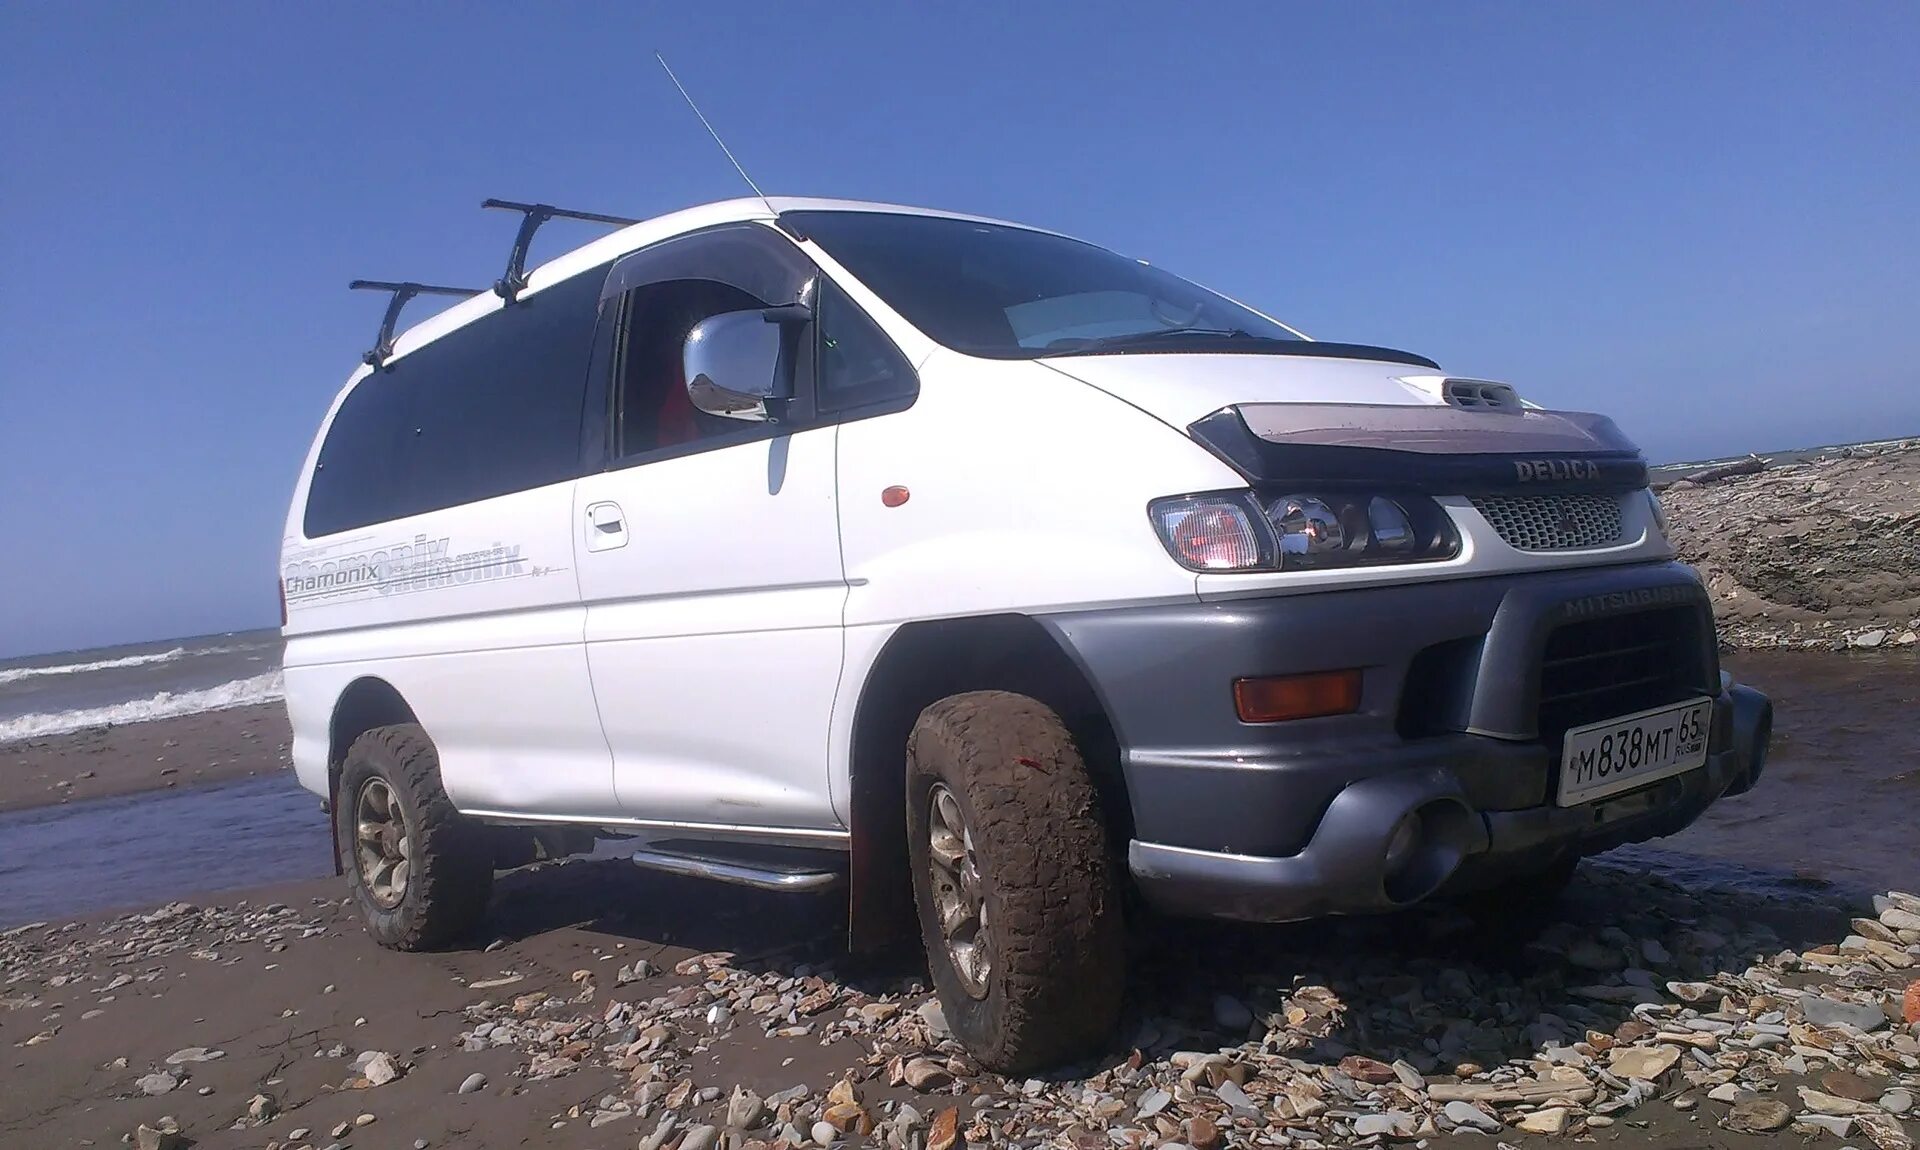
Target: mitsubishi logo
x=1568 y=525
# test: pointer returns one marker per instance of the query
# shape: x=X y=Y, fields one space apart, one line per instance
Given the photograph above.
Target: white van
x=964 y=566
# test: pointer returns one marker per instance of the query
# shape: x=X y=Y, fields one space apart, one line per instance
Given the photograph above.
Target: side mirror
x=732 y=363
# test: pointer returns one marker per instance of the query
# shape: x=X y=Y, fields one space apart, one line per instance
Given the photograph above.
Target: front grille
x=1553 y=522
x=1602 y=668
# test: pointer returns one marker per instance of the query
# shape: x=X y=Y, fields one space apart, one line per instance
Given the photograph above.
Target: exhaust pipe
x=1426 y=847
x=1752 y=732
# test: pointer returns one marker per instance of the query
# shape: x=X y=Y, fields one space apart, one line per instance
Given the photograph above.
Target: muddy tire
x=420 y=871
x=1035 y=976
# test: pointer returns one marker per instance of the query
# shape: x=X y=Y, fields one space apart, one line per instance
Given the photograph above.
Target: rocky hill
x=1823 y=551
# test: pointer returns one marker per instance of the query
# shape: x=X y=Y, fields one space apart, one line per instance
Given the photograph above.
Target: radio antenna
x=724 y=150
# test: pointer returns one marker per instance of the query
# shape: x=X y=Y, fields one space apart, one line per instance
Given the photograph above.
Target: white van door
x=708 y=554
x=436 y=556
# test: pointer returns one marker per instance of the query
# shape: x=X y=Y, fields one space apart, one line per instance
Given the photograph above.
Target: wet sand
x=1840 y=800
x=182 y=751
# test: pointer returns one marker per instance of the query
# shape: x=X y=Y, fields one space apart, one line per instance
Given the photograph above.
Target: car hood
x=1184 y=388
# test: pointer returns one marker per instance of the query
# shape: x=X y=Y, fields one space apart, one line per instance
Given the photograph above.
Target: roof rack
x=509 y=286
x=402 y=292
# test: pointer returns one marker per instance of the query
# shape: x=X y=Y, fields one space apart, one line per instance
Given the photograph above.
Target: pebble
x=472 y=1082
x=1153 y=1102
x=1550 y=1120
x=1643 y=1062
x=1846 y=1085
x=935 y=1018
x=824 y=1133
x=925 y=1074
x=380 y=1069
x=155 y=1084
x=1467 y=1114
x=944 y=1134
x=155 y=1138
x=745 y=1110
x=1837 y=1125
x=1230 y=1093
x=1828 y=1013
x=1759 y=1115
x=700 y=1138
x=1897 y=1101
x=1392 y=1124
x=1821 y=1102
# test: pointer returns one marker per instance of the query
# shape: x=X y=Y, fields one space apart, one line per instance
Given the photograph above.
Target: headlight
x=1243 y=531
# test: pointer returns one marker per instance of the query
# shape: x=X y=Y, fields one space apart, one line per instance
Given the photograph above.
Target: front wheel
x=1018 y=900
x=420 y=871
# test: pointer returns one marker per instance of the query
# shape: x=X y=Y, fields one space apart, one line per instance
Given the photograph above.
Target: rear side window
x=359 y=474
x=487 y=410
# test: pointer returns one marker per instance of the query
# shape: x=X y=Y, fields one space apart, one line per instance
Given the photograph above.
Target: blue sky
x=1702 y=219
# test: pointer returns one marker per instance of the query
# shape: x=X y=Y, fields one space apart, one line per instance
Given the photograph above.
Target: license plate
x=1602 y=759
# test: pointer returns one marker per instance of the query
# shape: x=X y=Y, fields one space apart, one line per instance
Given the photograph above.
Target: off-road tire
x=1049 y=883
x=450 y=859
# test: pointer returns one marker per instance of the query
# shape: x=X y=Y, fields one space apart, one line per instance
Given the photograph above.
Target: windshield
x=1011 y=293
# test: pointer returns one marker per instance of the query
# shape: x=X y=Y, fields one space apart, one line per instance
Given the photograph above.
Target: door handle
x=606 y=526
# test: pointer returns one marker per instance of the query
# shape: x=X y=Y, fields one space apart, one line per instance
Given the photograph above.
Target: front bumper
x=1274 y=822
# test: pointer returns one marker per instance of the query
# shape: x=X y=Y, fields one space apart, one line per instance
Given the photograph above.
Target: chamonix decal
x=427 y=564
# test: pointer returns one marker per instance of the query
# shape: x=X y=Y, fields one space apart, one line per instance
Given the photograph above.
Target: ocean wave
x=15 y=674
x=165 y=704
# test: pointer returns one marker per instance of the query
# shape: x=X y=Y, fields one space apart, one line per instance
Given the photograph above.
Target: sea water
x=52 y=694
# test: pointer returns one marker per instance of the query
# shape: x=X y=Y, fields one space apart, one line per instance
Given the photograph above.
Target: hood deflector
x=1430 y=449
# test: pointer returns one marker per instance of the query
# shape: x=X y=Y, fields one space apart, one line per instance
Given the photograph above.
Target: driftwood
x=1751 y=465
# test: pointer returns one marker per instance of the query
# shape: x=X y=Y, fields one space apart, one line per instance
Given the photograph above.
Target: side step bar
x=791 y=869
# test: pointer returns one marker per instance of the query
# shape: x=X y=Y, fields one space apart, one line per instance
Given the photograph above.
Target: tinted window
x=486 y=410
x=359 y=472
x=654 y=411
x=1006 y=292
x=858 y=364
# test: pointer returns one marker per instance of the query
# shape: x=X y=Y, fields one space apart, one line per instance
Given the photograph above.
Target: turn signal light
x=1282 y=697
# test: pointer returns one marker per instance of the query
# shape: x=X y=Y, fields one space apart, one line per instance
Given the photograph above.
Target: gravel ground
x=1637 y=1013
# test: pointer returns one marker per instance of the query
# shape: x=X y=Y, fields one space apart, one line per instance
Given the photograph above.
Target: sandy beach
x=186 y=750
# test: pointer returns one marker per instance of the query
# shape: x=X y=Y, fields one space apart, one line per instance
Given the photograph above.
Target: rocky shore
x=1821 y=551
x=1638 y=1013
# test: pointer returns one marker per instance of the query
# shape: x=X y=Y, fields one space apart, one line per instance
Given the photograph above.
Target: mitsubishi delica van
x=986 y=577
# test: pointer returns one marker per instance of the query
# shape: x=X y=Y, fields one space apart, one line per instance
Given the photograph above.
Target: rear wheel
x=1018 y=898
x=420 y=872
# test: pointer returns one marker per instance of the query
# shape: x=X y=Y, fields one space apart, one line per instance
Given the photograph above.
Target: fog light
x=1284 y=697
